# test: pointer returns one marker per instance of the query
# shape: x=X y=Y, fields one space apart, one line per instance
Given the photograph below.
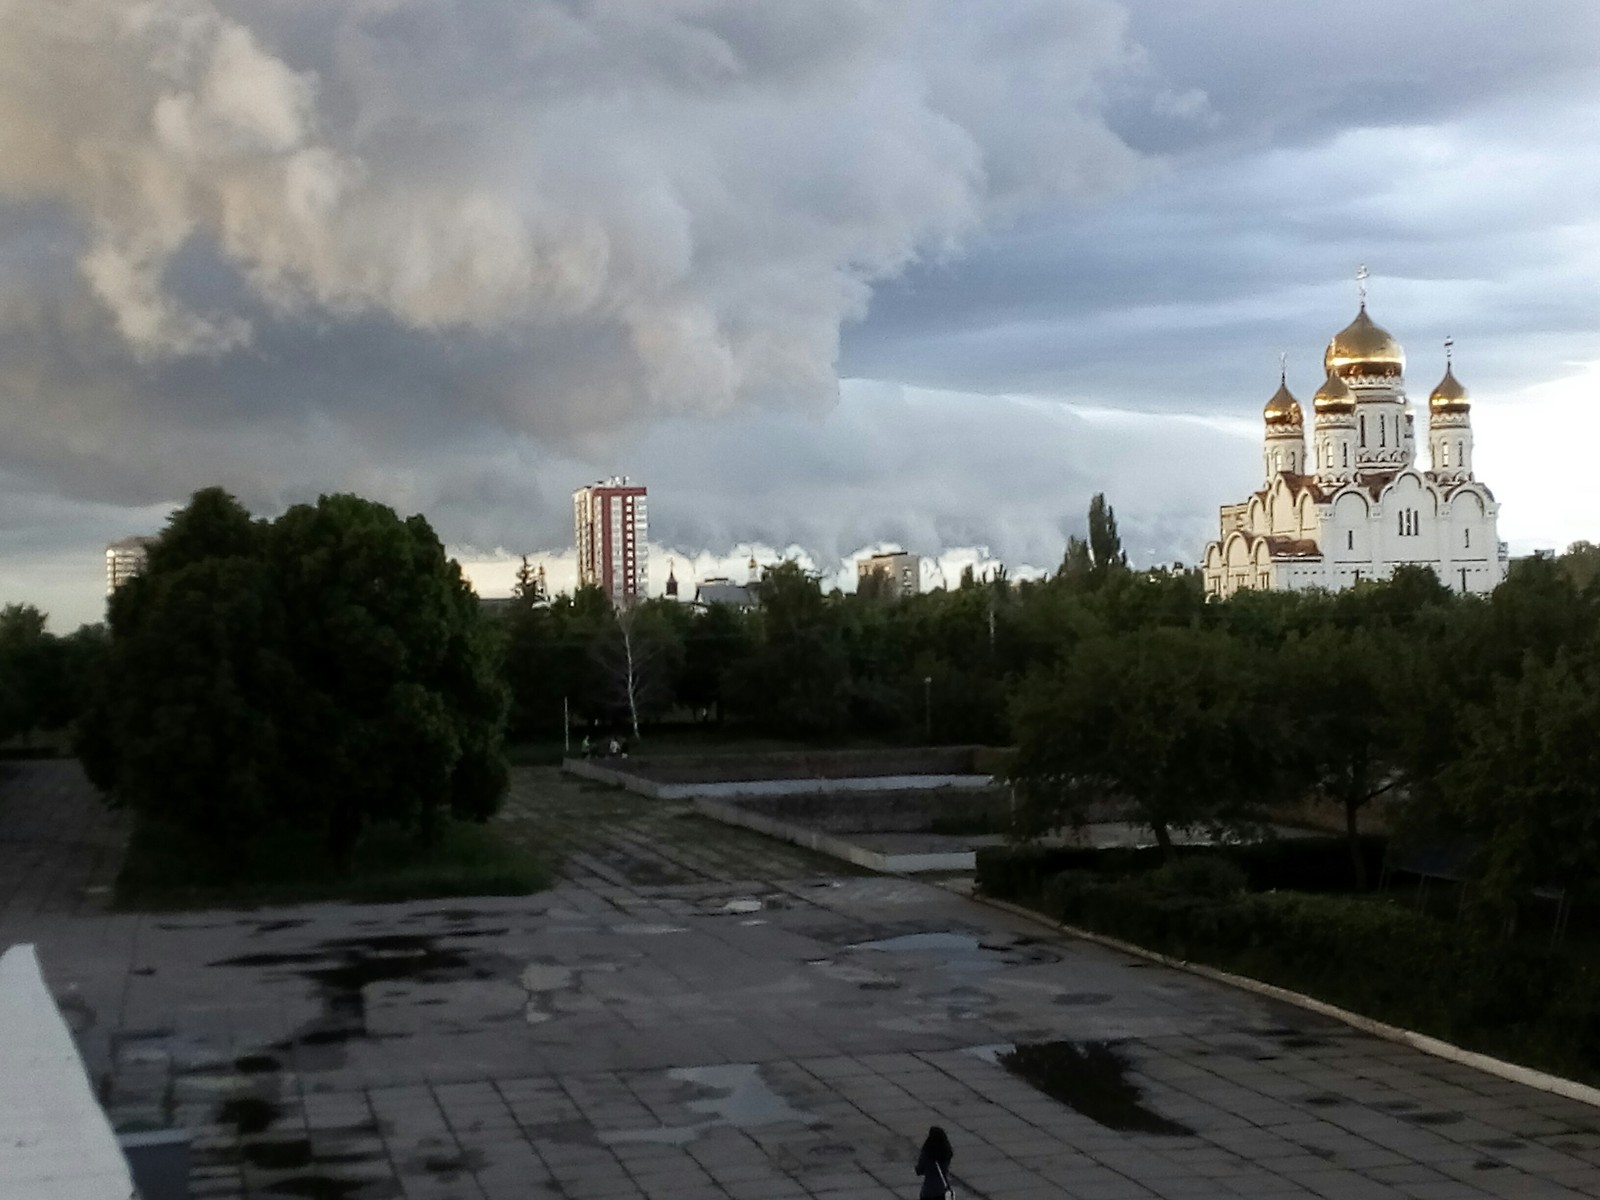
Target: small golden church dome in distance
x=1364 y=348
x=1449 y=396
x=1334 y=396
x=1283 y=410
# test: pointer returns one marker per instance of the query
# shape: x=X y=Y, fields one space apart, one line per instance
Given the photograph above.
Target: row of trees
x=1478 y=716
x=44 y=679
x=331 y=668
x=810 y=664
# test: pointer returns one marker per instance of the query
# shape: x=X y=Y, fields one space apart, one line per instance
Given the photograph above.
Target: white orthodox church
x=1351 y=504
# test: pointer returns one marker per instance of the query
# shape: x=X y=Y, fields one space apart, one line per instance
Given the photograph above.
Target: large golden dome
x=1449 y=396
x=1363 y=348
x=1334 y=396
x=1283 y=410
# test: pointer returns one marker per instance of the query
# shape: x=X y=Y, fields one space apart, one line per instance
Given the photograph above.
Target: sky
x=826 y=277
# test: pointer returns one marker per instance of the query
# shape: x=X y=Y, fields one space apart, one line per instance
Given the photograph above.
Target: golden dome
x=1283 y=410
x=1334 y=396
x=1449 y=396
x=1363 y=348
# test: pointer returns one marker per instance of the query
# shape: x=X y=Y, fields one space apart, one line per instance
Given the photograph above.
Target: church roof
x=1297 y=484
x=1280 y=546
x=1363 y=348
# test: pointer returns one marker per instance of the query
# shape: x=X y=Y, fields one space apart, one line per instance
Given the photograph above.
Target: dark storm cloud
x=291 y=245
x=1442 y=146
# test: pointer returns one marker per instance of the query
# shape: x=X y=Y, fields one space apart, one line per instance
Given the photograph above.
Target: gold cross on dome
x=1449 y=347
x=1361 y=283
x=1283 y=366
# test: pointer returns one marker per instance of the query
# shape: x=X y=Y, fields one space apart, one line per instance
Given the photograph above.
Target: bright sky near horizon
x=824 y=276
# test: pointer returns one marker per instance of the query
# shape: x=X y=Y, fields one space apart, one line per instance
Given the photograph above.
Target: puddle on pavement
x=277 y=926
x=1074 y=999
x=1091 y=1079
x=249 y=1114
x=644 y=929
x=342 y=968
x=1323 y=1101
x=962 y=1003
x=286 y=1155
x=960 y=951
x=1435 y=1118
x=1502 y=1144
x=746 y=1102
x=330 y=1187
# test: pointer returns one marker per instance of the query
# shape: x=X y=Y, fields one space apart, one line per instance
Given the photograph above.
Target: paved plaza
x=695 y=1012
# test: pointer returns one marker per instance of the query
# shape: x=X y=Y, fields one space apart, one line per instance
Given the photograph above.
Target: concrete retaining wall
x=836 y=847
x=55 y=1142
x=777 y=807
x=807 y=764
x=619 y=772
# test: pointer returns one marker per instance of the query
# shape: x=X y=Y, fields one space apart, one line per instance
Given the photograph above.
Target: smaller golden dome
x=1449 y=396
x=1364 y=348
x=1334 y=396
x=1283 y=410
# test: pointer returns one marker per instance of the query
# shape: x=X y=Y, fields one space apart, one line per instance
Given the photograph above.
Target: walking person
x=933 y=1164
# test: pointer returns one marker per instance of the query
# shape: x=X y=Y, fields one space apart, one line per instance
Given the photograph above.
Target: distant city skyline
x=828 y=276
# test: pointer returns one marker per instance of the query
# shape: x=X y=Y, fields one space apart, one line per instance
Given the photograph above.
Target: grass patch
x=167 y=869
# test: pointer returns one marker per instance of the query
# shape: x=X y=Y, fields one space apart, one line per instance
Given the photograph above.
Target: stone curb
x=1526 y=1076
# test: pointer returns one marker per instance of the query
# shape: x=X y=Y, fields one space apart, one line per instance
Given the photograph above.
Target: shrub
x=1210 y=877
x=1312 y=864
x=1367 y=954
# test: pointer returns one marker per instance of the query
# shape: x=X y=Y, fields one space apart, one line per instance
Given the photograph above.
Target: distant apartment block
x=611 y=533
x=901 y=573
x=124 y=560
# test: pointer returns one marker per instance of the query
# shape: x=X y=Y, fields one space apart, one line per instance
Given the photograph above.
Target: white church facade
x=1349 y=503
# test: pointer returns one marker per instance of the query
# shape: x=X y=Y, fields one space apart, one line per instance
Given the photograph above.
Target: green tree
x=797 y=680
x=639 y=660
x=1077 y=563
x=1525 y=790
x=1171 y=722
x=26 y=662
x=320 y=672
x=1105 y=544
x=717 y=640
x=1346 y=693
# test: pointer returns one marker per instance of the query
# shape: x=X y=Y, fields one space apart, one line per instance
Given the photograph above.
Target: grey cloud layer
x=1447 y=147
x=462 y=256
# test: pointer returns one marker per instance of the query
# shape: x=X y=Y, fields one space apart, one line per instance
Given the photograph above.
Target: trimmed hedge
x=1367 y=954
x=1309 y=864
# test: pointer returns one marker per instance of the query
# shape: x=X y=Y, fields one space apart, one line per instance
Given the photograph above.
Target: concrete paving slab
x=697 y=1011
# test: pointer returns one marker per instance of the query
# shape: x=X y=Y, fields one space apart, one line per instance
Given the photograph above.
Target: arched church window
x=1346 y=454
x=1444 y=454
x=1383 y=432
x=1466 y=537
x=1461 y=455
x=1363 y=429
x=1349 y=539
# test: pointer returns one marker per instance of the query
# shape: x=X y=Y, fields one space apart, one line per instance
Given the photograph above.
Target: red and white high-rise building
x=611 y=529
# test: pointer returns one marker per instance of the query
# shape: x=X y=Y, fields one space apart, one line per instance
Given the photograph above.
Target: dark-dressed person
x=933 y=1164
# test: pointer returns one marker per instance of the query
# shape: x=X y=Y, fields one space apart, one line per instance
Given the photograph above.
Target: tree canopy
x=323 y=670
